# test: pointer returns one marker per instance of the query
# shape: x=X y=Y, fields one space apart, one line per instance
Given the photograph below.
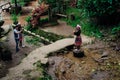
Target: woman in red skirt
x=78 y=40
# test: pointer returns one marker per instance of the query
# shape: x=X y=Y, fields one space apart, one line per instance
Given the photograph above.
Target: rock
x=6 y=55
x=6 y=28
x=93 y=70
x=117 y=48
x=98 y=60
x=34 y=74
x=3 y=38
x=68 y=63
x=108 y=64
x=119 y=63
x=104 y=58
x=0 y=65
x=65 y=52
x=83 y=62
x=70 y=47
x=105 y=54
x=3 y=69
x=78 y=53
x=27 y=71
x=62 y=71
x=52 y=62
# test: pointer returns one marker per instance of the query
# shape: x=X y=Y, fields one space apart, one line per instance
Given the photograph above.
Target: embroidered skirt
x=78 y=41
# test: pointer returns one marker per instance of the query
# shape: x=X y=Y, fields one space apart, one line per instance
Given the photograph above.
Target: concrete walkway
x=38 y=55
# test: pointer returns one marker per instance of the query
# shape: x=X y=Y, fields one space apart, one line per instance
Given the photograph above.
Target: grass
x=47 y=35
x=33 y=40
x=76 y=13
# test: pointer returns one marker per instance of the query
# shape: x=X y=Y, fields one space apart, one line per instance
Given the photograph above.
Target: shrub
x=43 y=21
x=99 y=7
x=115 y=30
x=33 y=40
x=43 y=68
x=21 y=2
x=28 y=19
x=102 y=11
x=14 y=18
x=91 y=30
x=47 y=35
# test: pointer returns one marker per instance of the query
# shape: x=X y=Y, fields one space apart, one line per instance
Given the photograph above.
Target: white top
x=17 y=32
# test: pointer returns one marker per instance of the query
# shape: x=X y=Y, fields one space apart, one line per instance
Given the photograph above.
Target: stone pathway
x=61 y=29
x=38 y=55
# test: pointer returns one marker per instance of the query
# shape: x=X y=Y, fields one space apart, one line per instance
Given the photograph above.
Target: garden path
x=38 y=54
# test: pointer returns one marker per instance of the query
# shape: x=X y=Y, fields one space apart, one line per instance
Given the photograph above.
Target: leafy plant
x=40 y=1
x=115 y=30
x=14 y=18
x=99 y=7
x=56 y=7
x=42 y=68
x=37 y=13
x=28 y=19
x=91 y=30
x=43 y=21
x=21 y=2
x=102 y=11
x=47 y=35
x=32 y=40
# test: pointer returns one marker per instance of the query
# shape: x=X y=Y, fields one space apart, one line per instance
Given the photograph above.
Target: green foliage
x=91 y=30
x=76 y=13
x=43 y=21
x=80 y=18
x=46 y=77
x=58 y=6
x=28 y=27
x=116 y=30
x=33 y=40
x=47 y=35
x=42 y=67
x=21 y=2
x=14 y=17
x=28 y=19
x=99 y=7
x=40 y=1
x=50 y=36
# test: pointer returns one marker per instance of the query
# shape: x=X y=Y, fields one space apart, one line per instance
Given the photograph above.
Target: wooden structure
x=62 y=15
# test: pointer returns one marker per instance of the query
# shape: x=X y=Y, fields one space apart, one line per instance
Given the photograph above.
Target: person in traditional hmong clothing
x=78 y=40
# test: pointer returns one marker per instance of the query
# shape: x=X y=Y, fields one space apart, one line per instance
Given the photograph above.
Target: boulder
x=105 y=54
x=78 y=53
x=6 y=55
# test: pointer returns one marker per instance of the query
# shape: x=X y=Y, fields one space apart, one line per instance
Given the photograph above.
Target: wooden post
x=15 y=3
x=15 y=6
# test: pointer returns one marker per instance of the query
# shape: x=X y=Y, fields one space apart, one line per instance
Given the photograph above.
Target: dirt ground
x=64 y=66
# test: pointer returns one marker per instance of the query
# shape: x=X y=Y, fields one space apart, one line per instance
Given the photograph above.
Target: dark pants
x=17 y=44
